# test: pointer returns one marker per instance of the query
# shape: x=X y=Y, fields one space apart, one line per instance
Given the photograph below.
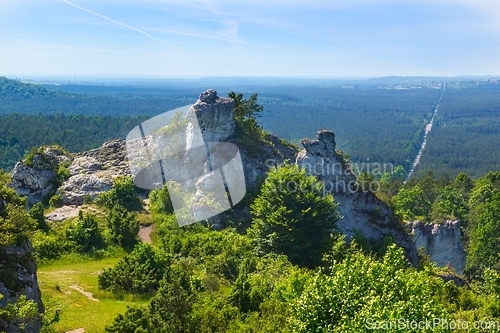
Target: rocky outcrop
x=441 y=242
x=361 y=212
x=92 y=172
x=36 y=178
x=215 y=116
x=18 y=277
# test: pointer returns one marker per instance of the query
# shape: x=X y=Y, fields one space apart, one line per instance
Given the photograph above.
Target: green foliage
x=245 y=108
x=8 y=196
x=292 y=216
x=85 y=233
x=123 y=227
x=159 y=201
x=15 y=226
x=123 y=194
x=19 y=312
x=37 y=213
x=360 y=291
x=250 y=134
x=257 y=280
x=55 y=201
x=411 y=204
x=138 y=272
x=450 y=204
x=134 y=320
x=221 y=252
x=484 y=232
x=62 y=172
x=50 y=245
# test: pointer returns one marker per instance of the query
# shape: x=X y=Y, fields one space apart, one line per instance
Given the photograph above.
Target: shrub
x=37 y=213
x=55 y=201
x=123 y=227
x=138 y=272
x=85 y=233
x=123 y=194
x=297 y=221
x=159 y=201
x=49 y=246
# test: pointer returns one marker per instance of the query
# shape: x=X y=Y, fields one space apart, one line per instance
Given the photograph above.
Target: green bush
x=123 y=227
x=138 y=272
x=293 y=216
x=37 y=213
x=361 y=291
x=85 y=233
x=159 y=201
x=55 y=201
x=49 y=246
x=123 y=194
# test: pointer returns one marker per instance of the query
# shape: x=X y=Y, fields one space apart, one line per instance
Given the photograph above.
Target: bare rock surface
x=215 y=116
x=92 y=172
x=63 y=213
x=361 y=212
x=37 y=179
x=441 y=242
x=18 y=262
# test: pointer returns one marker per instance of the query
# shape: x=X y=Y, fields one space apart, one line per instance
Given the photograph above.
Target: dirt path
x=145 y=233
x=84 y=293
x=78 y=330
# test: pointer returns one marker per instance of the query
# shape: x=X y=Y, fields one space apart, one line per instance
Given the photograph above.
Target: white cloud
x=230 y=31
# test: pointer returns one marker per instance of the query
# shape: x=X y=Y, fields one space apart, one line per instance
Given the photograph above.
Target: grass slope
x=76 y=309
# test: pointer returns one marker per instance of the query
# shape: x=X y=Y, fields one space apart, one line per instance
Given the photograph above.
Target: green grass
x=76 y=310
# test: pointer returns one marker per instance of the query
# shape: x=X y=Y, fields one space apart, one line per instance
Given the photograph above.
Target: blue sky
x=316 y=38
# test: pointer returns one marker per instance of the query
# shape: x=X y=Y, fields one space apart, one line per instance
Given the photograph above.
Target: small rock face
x=360 y=210
x=215 y=116
x=37 y=180
x=18 y=262
x=92 y=172
x=319 y=158
x=441 y=242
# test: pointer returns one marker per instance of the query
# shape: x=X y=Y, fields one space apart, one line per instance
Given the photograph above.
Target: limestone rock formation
x=92 y=172
x=441 y=242
x=215 y=116
x=360 y=210
x=18 y=273
x=37 y=179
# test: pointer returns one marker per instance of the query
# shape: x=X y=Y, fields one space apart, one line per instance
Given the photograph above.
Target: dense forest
x=376 y=125
x=373 y=123
x=466 y=134
x=21 y=133
x=25 y=98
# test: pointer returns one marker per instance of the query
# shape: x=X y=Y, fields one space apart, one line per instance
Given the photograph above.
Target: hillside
x=310 y=245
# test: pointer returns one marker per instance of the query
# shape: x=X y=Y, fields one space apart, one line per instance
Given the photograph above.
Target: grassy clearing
x=76 y=309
